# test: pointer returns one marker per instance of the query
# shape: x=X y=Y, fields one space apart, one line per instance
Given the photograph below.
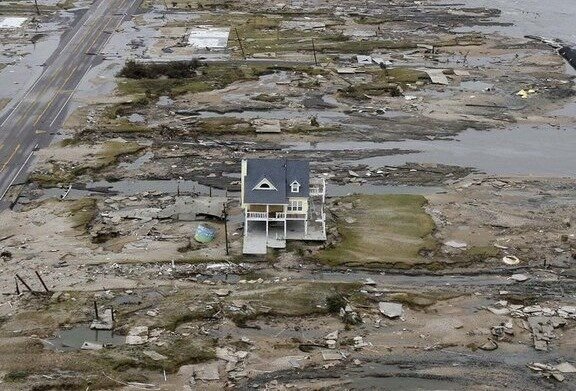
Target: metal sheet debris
x=302 y=24
x=12 y=22
x=205 y=37
x=437 y=76
x=364 y=60
x=267 y=126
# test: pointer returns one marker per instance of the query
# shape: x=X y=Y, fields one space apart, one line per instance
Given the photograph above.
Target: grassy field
x=382 y=231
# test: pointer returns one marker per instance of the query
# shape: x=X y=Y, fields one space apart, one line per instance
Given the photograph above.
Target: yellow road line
x=55 y=96
x=92 y=37
x=11 y=157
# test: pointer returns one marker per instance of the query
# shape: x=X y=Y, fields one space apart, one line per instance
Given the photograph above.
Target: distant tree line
x=171 y=70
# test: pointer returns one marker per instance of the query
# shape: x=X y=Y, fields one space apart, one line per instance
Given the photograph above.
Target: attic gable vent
x=264 y=184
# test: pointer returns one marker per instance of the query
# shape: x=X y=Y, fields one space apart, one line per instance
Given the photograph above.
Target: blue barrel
x=205 y=233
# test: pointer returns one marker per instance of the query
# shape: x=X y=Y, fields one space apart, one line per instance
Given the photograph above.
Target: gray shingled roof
x=280 y=173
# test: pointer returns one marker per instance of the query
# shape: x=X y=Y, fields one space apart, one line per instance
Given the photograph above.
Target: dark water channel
x=518 y=150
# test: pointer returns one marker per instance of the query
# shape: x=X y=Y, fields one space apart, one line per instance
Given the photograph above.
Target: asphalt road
x=30 y=122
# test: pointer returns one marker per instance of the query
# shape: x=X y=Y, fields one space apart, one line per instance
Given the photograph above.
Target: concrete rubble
x=391 y=310
x=154 y=355
x=541 y=321
x=137 y=335
x=104 y=322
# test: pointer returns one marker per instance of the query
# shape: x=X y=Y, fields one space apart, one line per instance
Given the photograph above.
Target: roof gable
x=264 y=184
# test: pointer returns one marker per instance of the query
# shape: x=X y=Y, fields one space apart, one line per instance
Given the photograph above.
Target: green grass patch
x=170 y=70
x=399 y=75
x=225 y=125
x=61 y=174
x=480 y=253
x=294 y=299
x=383 y=231
x=210 y=77
x=82 y=212
x=306 y=129
x=385 y=82
x=158 y=87
x=66 y=4
x=16 y=376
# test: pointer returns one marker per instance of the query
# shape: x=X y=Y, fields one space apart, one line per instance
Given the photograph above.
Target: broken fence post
x=42 y=281
x=240 y=43
x=24 y=283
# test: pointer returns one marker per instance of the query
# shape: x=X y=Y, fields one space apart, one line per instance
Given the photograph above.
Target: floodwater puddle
x=138 y=163
x=74 y=338
x=134 y=187
x=476 y=85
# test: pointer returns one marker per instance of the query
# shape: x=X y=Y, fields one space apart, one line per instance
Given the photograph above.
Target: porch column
x=246 y=223
x=267 y=219
x=306 y=225
x=285 y=221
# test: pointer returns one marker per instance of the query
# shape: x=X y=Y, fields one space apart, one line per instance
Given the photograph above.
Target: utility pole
x=314 y=49
x=226 y=228
x=240 y=43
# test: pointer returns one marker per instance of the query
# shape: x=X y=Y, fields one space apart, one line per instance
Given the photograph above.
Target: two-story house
x=280 y=203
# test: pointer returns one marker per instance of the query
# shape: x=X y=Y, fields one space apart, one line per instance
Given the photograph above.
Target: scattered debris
x=328 y=355
x=525 y=94
x=519 y=277
x=204 y=372
x=489 y=345
x=154 y=355
x=208 y=37
x=137 y=335
x=547 y=371
x=391 y=310
x=511 y=260
x=91 y=346
x=566 y=367
x=104 y=322
x=267 y=126
x=455 y=244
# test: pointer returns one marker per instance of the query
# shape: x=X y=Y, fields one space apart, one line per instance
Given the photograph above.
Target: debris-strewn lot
x=433 y=276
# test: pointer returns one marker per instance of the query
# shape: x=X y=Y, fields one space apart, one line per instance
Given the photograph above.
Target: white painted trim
x=265 y=182
x=295 y=184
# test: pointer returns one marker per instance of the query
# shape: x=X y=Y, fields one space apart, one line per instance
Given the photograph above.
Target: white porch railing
x=257 y=215
x=318 y=188
x=292 y=216
x=316 y=191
